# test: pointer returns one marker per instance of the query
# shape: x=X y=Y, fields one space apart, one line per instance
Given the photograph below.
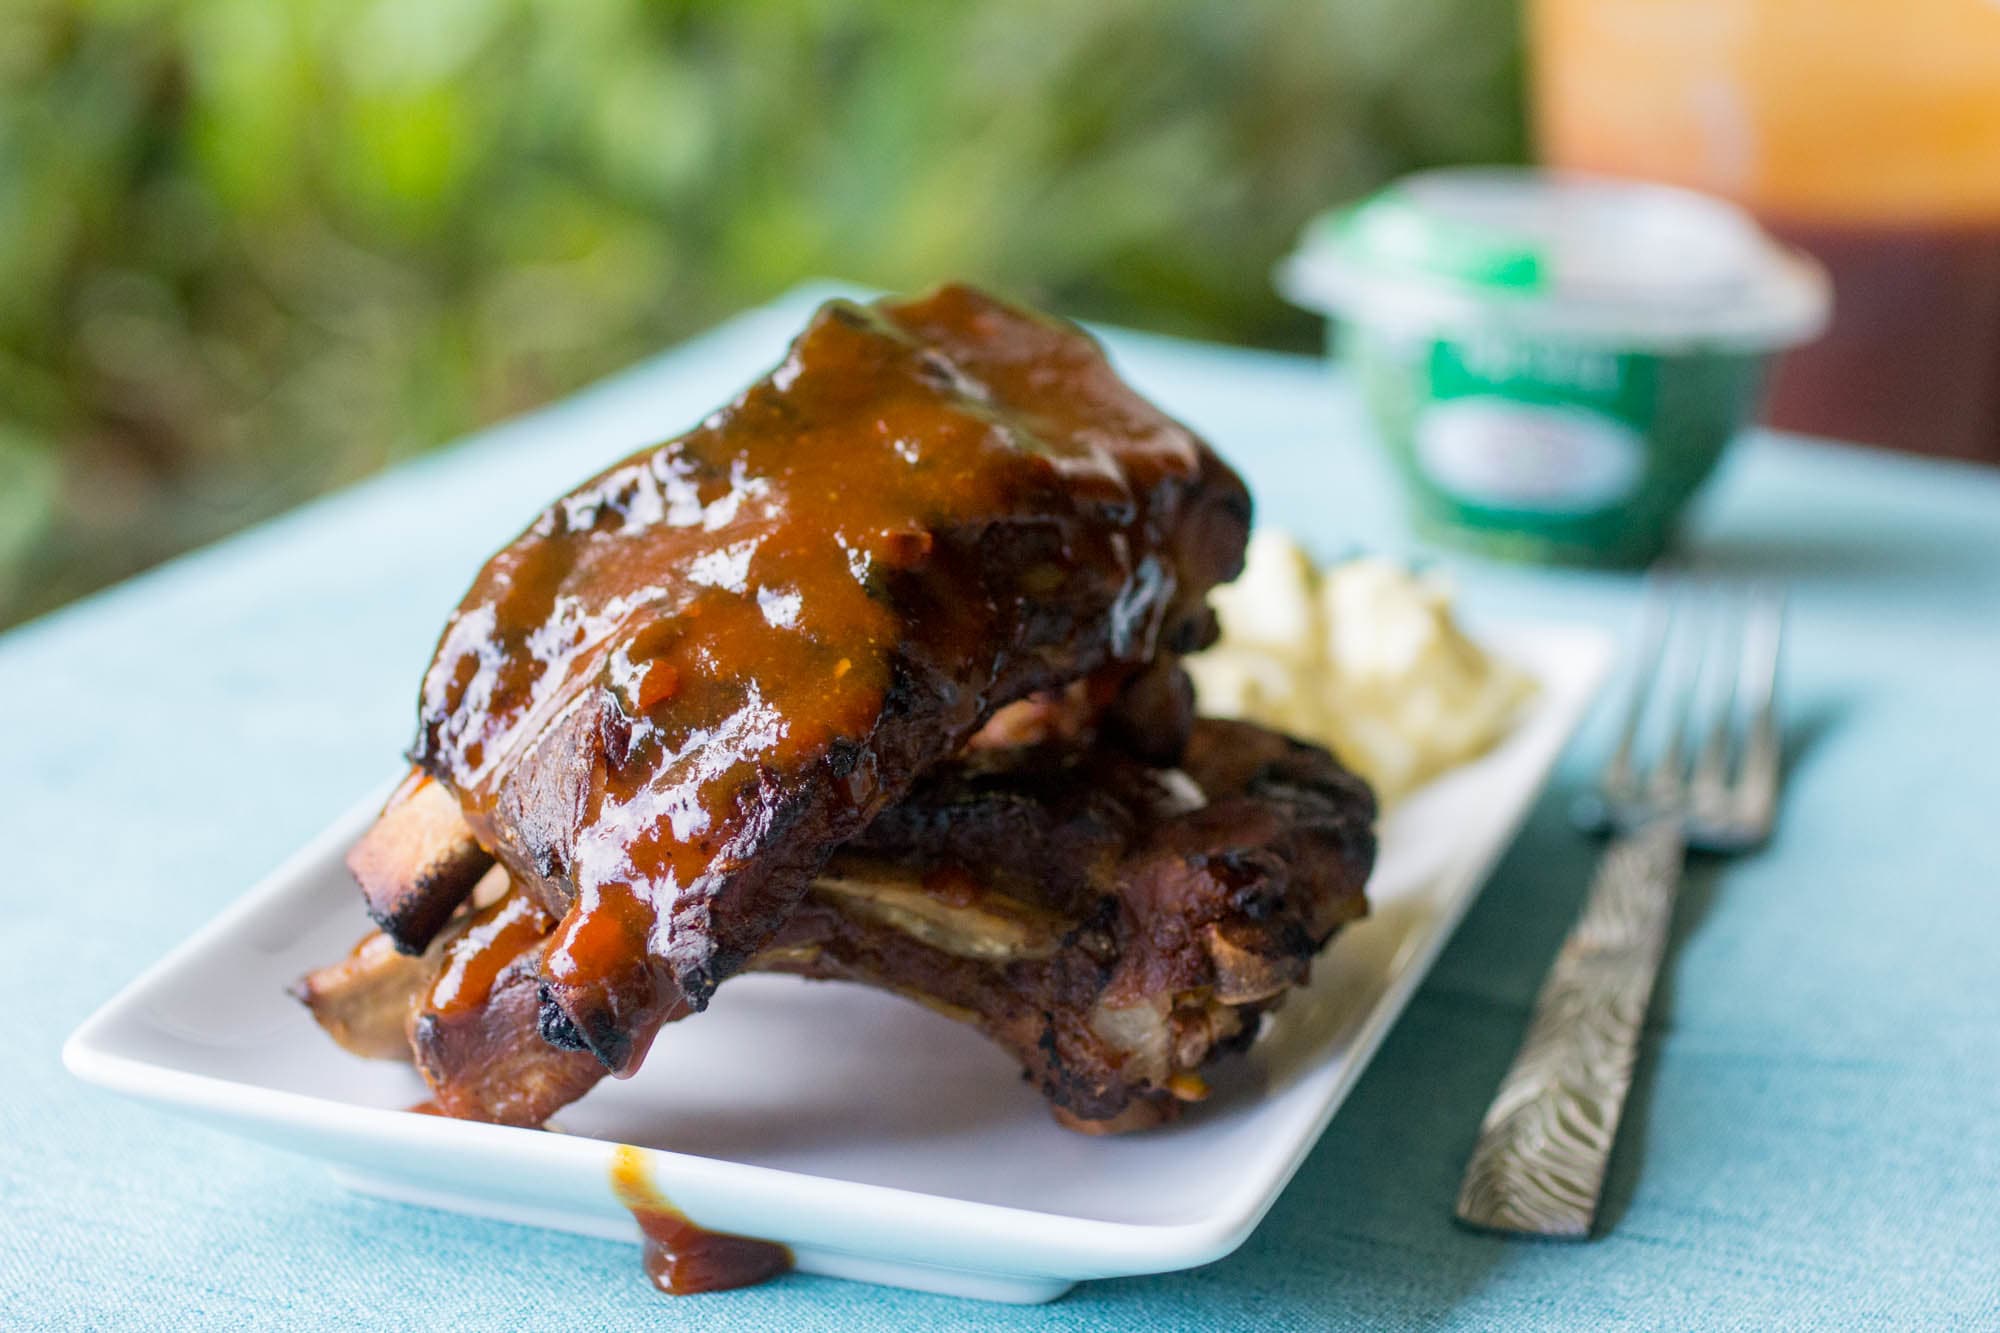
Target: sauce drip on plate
x=682 y=1257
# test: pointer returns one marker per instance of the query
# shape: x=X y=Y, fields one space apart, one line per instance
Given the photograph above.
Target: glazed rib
x=1111 y=925
x=668 y=702
x=482 y=1012
x=1193 y=901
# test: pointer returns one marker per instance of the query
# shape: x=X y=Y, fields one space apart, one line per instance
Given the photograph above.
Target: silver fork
x=1538 y=1167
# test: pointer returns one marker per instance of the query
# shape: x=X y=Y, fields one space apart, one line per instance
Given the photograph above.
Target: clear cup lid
x=1588 y=258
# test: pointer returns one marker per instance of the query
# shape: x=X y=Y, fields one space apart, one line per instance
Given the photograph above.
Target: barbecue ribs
x=1112 y=926
x=667 y=702
x=874 y=676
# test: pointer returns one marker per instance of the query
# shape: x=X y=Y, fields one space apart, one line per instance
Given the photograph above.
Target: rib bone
x=417 y=863
x=363 y=1001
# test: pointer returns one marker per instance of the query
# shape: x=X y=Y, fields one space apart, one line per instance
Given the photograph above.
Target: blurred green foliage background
x=254 y=249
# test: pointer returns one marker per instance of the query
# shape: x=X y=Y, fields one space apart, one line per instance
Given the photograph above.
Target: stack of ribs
x=874 y=676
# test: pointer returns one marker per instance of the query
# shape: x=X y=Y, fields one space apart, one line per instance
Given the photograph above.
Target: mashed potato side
x=1363 y=657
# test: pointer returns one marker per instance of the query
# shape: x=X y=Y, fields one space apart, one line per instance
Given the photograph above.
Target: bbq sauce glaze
x=681 y=1257
x=697 y=672
x=497 y=934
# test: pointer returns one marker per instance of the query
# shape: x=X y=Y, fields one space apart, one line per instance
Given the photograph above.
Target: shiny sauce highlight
x=499 y=933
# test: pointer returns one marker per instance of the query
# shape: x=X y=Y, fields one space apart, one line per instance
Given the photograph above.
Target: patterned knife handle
x=1539 y=1165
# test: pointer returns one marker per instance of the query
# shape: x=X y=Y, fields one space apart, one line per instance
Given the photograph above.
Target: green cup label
x=1548 y=450
x=1500 y=453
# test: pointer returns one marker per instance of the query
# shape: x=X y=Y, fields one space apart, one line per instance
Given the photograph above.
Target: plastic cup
x=1555 y=363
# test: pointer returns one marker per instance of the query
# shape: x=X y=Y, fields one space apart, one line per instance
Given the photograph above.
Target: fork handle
x=1538 y=1167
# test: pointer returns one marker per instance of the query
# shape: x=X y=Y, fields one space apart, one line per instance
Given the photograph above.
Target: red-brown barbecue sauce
x=681 y=1257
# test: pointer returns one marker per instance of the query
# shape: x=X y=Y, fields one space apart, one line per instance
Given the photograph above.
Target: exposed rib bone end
x=417 y=863
x=363 y=1001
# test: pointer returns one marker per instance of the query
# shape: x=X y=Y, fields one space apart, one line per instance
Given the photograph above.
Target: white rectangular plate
x=882 y=1142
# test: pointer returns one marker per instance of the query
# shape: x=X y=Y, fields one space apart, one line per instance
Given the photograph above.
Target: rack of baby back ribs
x=873 y=676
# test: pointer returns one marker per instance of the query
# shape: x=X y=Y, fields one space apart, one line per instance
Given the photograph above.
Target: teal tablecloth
x=1815 y=1138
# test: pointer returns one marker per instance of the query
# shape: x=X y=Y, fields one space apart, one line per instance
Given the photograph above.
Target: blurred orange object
x=1866 y=131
